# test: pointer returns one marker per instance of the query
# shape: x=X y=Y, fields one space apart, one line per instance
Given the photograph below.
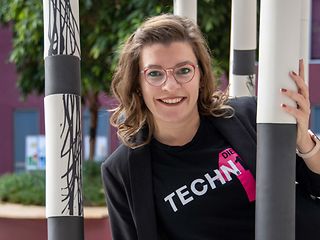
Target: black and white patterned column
x=243 y=46
x=62 y=102
x=186 y=8
x=278 y=55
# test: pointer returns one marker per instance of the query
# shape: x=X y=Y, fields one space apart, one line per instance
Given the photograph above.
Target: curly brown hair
x=132 y=115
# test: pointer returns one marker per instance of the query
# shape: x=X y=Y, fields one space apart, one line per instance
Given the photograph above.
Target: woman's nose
x=171 y=83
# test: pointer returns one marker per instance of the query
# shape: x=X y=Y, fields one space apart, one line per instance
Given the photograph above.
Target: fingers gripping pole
x=276 y=139
x=62 y=104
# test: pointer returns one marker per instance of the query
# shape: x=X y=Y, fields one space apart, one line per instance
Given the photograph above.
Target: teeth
x=172 y=100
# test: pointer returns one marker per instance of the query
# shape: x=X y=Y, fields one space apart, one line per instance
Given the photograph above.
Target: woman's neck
x=176 y=134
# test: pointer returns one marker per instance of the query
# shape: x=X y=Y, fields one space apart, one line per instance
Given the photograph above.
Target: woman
x=186 y=167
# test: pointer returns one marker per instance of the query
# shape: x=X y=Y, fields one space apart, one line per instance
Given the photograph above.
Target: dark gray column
x=278 y=54
x=275 y=200
x=62 y=104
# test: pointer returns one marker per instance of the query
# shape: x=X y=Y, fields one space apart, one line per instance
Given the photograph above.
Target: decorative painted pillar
x=243 y=46
x=62 y=102
x=186 y=8
x=276 y=130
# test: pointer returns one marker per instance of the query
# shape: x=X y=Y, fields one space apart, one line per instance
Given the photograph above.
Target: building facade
x=22 y=122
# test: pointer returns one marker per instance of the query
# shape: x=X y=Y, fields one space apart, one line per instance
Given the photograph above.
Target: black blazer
x=127 y=175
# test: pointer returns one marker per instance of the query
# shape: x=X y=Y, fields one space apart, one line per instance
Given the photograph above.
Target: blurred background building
x=22 y=122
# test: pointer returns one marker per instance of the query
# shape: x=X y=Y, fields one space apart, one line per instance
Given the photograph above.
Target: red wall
x=36 y=229
x=314 y=83
x=10 y=100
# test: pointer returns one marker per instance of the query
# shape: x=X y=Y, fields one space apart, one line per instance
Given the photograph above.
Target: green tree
x=104 y=25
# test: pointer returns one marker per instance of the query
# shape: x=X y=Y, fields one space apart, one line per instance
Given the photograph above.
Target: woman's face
x=172 y=102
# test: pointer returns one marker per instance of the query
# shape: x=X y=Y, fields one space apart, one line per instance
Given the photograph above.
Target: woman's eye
x=184 y=70
x=155 y=73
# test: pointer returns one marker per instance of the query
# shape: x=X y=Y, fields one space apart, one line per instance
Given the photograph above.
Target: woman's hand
x=302 y=112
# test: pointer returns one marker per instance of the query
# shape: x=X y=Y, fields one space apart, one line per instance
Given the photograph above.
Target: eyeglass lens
x=157 y=75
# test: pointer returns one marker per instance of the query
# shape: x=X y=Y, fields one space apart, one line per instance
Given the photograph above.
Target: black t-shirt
x=202 y=190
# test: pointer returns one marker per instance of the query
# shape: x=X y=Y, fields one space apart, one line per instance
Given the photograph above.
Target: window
x=102 y=137
x=26 y=122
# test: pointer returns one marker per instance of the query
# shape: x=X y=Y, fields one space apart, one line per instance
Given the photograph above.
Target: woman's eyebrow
x=153 y=65
x=159 y=66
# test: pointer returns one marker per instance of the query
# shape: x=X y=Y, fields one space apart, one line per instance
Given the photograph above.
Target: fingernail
x=283 y=90
x=283 y=105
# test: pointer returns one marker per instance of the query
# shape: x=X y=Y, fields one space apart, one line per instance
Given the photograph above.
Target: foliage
x=214 y=19
x=104 y=26
x=93 y=193
x=27 y=53
x=29 y=188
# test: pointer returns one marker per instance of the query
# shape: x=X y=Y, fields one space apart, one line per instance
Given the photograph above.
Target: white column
x=243 y=47
x=276 y=130
x=186 y=8
x=305 y=36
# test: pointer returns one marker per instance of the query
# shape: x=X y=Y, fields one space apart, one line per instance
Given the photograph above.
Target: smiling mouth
x=171 y=101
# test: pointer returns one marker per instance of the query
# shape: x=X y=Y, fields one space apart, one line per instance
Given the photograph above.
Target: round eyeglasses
x=157 y=75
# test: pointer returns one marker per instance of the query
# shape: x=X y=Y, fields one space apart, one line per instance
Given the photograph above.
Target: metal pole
x=243 y=47
x=304 y=38
x=186 y=8
x=276 y=130
x=62 y=104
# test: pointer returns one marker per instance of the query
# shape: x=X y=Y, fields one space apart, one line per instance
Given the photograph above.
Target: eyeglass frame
x=171 y=69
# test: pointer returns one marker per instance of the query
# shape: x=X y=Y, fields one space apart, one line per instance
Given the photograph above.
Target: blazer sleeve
x=309 y=181
x=118 y=199
x=246 y=111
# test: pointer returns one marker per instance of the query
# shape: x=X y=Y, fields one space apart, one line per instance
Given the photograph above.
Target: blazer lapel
x=142 y=192
x=239 y=138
